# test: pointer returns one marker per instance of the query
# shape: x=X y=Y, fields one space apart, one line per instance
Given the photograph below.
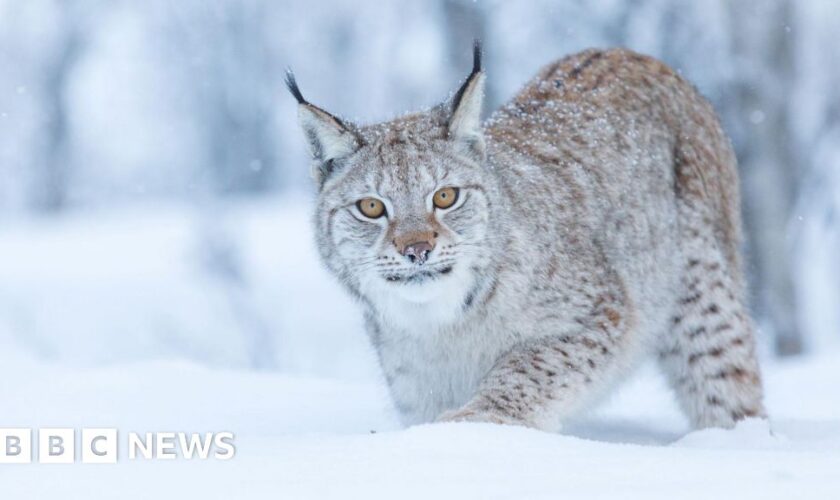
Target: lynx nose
x=418 y=252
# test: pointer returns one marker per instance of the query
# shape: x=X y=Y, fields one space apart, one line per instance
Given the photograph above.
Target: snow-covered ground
x=117 y=320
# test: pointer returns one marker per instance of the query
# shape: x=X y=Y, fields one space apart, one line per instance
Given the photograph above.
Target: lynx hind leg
x=709 y=355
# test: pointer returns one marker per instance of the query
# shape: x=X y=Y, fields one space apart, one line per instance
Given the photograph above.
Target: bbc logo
x=58 y=446
x=99 y=446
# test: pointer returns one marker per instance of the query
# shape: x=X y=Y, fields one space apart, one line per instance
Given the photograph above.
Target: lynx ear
x=465 y=119
x=330 y=140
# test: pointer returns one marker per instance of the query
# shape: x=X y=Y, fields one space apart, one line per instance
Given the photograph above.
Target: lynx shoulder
x=512 y=270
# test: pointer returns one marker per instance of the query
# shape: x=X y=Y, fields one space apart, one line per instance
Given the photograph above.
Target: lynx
x=513 y=270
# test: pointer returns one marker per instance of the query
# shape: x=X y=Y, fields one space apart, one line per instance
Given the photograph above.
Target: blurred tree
x=53 y=160
x=815 y=226
x=233 y=80
x=762 y=89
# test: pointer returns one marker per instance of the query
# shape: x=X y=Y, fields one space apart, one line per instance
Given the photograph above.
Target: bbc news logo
x=100 y=446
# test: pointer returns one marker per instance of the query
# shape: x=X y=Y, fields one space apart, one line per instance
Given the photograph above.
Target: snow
x=304 y=437
x=111 y=320
x=133 y=283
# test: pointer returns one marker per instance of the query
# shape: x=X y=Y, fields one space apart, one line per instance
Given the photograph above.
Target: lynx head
x=404 y=207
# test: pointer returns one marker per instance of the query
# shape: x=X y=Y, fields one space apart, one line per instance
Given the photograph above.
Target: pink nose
x=418 y=252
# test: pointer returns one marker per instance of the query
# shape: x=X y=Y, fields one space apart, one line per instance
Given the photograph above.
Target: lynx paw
x=466 y=414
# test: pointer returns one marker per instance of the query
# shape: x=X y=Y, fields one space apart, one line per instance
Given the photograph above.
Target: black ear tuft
x=476 y=56
x=456 y=100
x=292 y=85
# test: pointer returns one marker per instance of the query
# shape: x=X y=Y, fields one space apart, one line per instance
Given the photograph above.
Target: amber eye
x=371 y=207
x=445 y=197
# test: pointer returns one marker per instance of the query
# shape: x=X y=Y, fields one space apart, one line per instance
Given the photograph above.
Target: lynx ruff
x=513 y=270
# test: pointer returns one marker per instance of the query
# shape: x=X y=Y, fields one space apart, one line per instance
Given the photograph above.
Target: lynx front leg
x=542 y=382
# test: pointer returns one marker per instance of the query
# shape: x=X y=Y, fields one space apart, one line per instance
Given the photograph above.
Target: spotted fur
x=597 y=224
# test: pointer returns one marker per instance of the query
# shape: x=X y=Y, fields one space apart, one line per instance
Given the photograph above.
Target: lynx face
x=404 y=207
x=404 y=219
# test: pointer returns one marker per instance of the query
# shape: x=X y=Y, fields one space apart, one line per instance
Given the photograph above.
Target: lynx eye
x=445 y=197
x=371 y=207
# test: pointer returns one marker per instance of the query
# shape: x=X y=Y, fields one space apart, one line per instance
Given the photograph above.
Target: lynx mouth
x=419 y=276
